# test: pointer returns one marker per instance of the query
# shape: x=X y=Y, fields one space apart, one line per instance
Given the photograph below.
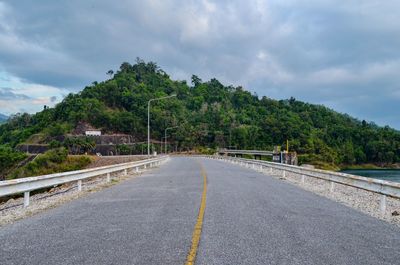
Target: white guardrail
x=245 y=152
x=382 y=187
x=26 y=185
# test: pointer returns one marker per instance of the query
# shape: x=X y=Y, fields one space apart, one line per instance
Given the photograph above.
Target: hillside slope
x=210 y=114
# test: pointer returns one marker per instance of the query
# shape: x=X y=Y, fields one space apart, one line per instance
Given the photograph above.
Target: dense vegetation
x=8 y=158
x=209 y=114
x=53 y=161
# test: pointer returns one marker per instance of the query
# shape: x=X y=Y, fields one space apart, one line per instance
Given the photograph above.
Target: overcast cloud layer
x=344 y=54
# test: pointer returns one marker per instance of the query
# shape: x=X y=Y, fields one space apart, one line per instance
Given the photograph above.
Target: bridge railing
x=245 y=152
x=26 y=185
x=382 y=187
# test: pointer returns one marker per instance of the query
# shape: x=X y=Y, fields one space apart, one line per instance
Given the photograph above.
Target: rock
x=395 y=213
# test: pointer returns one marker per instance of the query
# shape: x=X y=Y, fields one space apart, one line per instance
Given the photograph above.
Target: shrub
x=9 y=157
x=53 y=161
x=55 y=144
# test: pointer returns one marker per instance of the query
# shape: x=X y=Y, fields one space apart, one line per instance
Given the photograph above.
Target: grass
x=331 y=167
x=362 y=166
x=9 y=158
x=324 y=165
x=36 y=138
x=53 y=161
x=370 y=166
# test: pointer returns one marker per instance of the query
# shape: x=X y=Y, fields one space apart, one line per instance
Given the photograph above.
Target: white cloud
x=261 y=55
x=195 y=29
x=209 y=6
x=350 y=75
x=268 y=68
x=19 y=96
x=323 y=51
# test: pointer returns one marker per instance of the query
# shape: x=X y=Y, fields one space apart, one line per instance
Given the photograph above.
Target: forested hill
x=209 y=114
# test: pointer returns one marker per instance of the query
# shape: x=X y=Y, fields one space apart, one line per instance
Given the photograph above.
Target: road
x=250 y=218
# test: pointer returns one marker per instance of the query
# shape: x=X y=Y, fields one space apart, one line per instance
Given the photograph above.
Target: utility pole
x=165 y=137
x=148 y=119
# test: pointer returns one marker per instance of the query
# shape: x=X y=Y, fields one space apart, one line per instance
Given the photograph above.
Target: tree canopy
x=209 y=114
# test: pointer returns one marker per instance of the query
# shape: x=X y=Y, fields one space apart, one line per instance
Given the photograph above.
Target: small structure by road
x=285 y=157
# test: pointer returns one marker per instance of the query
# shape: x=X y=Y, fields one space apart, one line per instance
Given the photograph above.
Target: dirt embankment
x=100 y=161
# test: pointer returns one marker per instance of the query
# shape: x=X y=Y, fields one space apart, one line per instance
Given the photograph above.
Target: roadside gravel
x=362 y=200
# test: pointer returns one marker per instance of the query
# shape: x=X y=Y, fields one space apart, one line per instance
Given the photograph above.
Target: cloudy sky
x=343 y=54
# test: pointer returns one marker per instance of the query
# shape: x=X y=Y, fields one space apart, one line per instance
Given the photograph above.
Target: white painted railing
x=382 y=187
x=26 y=185
x=245 y=152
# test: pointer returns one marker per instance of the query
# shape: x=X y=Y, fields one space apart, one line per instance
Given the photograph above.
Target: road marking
x=199 y=224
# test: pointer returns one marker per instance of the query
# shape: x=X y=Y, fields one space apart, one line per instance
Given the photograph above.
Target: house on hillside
x=84 y=128
x=106 y=143
x=93 y=133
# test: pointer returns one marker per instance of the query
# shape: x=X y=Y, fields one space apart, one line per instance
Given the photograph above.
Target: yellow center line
x=199 y=224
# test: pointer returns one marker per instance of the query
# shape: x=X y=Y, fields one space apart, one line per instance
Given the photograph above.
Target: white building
x=93 y=133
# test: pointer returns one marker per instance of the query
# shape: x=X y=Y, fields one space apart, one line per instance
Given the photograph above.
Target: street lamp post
x=148 y=119
x=165 y=137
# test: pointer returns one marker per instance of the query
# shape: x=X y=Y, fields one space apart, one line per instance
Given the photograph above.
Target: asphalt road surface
x=250 y=218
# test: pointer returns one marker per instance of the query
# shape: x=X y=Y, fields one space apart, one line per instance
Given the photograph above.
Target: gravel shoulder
x=362 y=200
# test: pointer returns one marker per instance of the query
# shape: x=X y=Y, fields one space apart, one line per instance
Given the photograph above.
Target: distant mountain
x=3 y=118
x=209 y=114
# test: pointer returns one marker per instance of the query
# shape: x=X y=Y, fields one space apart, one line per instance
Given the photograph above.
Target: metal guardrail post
x=382 y=204
x=108 y=177
x=26 y=198
x=80 y=185
x=331 y=187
